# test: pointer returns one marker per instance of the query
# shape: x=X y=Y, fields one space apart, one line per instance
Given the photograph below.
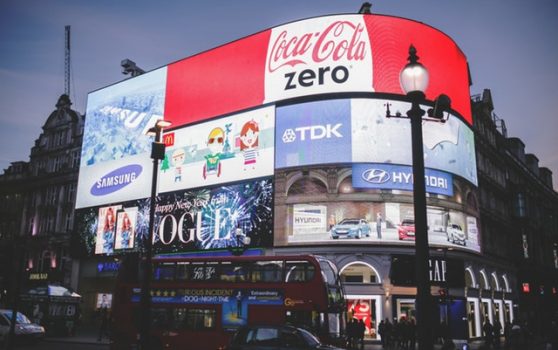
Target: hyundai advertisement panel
x=364 y=222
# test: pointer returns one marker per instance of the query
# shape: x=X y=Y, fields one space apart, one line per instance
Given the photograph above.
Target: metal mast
x=67 y=61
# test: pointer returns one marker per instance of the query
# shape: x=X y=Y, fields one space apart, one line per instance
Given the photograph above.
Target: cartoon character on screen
x=127 y=231
x=177 y=160
x=108 y=231
x=215 y=143
x=249 y=143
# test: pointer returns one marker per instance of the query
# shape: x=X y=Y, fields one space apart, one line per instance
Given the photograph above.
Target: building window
x=470 y=280
x=520 y=205
x=359 y=273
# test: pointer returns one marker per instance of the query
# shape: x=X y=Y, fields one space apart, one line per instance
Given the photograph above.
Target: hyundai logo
x=375 y=176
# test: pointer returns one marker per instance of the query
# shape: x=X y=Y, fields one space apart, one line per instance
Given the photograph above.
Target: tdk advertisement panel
x=313 y=133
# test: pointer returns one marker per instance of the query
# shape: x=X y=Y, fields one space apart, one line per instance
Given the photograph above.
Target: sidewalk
x=82 y=336
x=472 y=345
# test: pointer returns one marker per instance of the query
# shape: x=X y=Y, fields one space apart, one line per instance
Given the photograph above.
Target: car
x=276 y=337
x=455 y=234
x=406 y=230
x=24 y=328
x=350 y=228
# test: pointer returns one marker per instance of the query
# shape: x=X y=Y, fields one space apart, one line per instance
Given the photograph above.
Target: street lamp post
x=157 y=153
x=414 y=81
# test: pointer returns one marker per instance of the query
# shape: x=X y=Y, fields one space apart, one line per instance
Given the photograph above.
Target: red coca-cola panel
x=232 y=77
x=390 y=39
x=216 y=82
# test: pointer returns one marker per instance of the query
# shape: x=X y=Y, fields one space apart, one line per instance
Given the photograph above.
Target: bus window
x=203 y=272
x=159 y=318
x=234 y=272
x=164 y=272
x=267 y=271
x=328 y=272
x=299 y=271
x=199 y=319
x=182 y=271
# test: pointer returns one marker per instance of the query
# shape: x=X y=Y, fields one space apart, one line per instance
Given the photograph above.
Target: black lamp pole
x=423 y=304
x=414 y=80
x=157 y=153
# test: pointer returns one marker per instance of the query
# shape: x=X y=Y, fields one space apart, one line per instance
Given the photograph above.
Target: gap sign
x=399 y=177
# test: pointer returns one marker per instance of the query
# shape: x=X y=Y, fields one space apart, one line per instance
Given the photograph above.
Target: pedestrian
x=412 y=334
x=497 y=330
x=361 y=328
x=488 y=332
x=382 y=333
x=379 y=225
x=103 y=326
x=388 y=331
x=350 y=333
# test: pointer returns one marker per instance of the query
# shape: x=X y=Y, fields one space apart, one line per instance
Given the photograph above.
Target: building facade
x=37 y=200
x=304 y=185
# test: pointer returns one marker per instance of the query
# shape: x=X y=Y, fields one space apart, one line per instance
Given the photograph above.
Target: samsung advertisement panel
x=115 y=154
x=229 y=149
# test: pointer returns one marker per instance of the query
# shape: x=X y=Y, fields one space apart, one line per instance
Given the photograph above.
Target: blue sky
x=511 y=47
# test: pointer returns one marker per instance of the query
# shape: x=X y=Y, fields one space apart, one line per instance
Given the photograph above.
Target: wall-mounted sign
x=399 y=177
x=442 y=272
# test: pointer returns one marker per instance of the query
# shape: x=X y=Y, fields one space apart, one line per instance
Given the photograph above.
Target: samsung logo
x=116 y=180
x=376 y=176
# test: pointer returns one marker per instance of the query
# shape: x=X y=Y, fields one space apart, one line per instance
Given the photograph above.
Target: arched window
x=506 y=283
x=307 y=186
x=494 y=284
x=359 y=272
x=484 y=281
x=470 y=280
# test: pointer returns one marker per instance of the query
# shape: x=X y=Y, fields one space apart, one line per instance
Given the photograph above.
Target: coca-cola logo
x=341 y=39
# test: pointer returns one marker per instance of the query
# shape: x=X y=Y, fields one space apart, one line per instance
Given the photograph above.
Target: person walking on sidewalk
x=488 y=332
x=361 y=330
x=103 y=326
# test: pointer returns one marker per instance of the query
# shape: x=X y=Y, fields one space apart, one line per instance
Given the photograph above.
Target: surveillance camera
x=441 y=104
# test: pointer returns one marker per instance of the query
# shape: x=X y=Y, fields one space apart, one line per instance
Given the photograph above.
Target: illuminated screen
x=323 y=132
x=209 y=218
x=313 y=133
x=115 y=155
x=106 y=229
x=126 y=228
x=378 y=222
x=104 y=300
x=229 y=149
x=330 y=54
x=187 y=220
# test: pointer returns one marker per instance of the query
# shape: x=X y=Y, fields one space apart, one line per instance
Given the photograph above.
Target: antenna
x=67 y=61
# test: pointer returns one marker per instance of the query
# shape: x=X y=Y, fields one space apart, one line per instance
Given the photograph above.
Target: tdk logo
x=314 y=132
x=116 y=180
x=376 y=176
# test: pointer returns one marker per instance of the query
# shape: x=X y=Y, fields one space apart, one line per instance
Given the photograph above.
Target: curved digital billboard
x=305 y=95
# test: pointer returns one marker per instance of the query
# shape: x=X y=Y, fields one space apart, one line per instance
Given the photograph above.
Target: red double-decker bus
x=198 y=303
